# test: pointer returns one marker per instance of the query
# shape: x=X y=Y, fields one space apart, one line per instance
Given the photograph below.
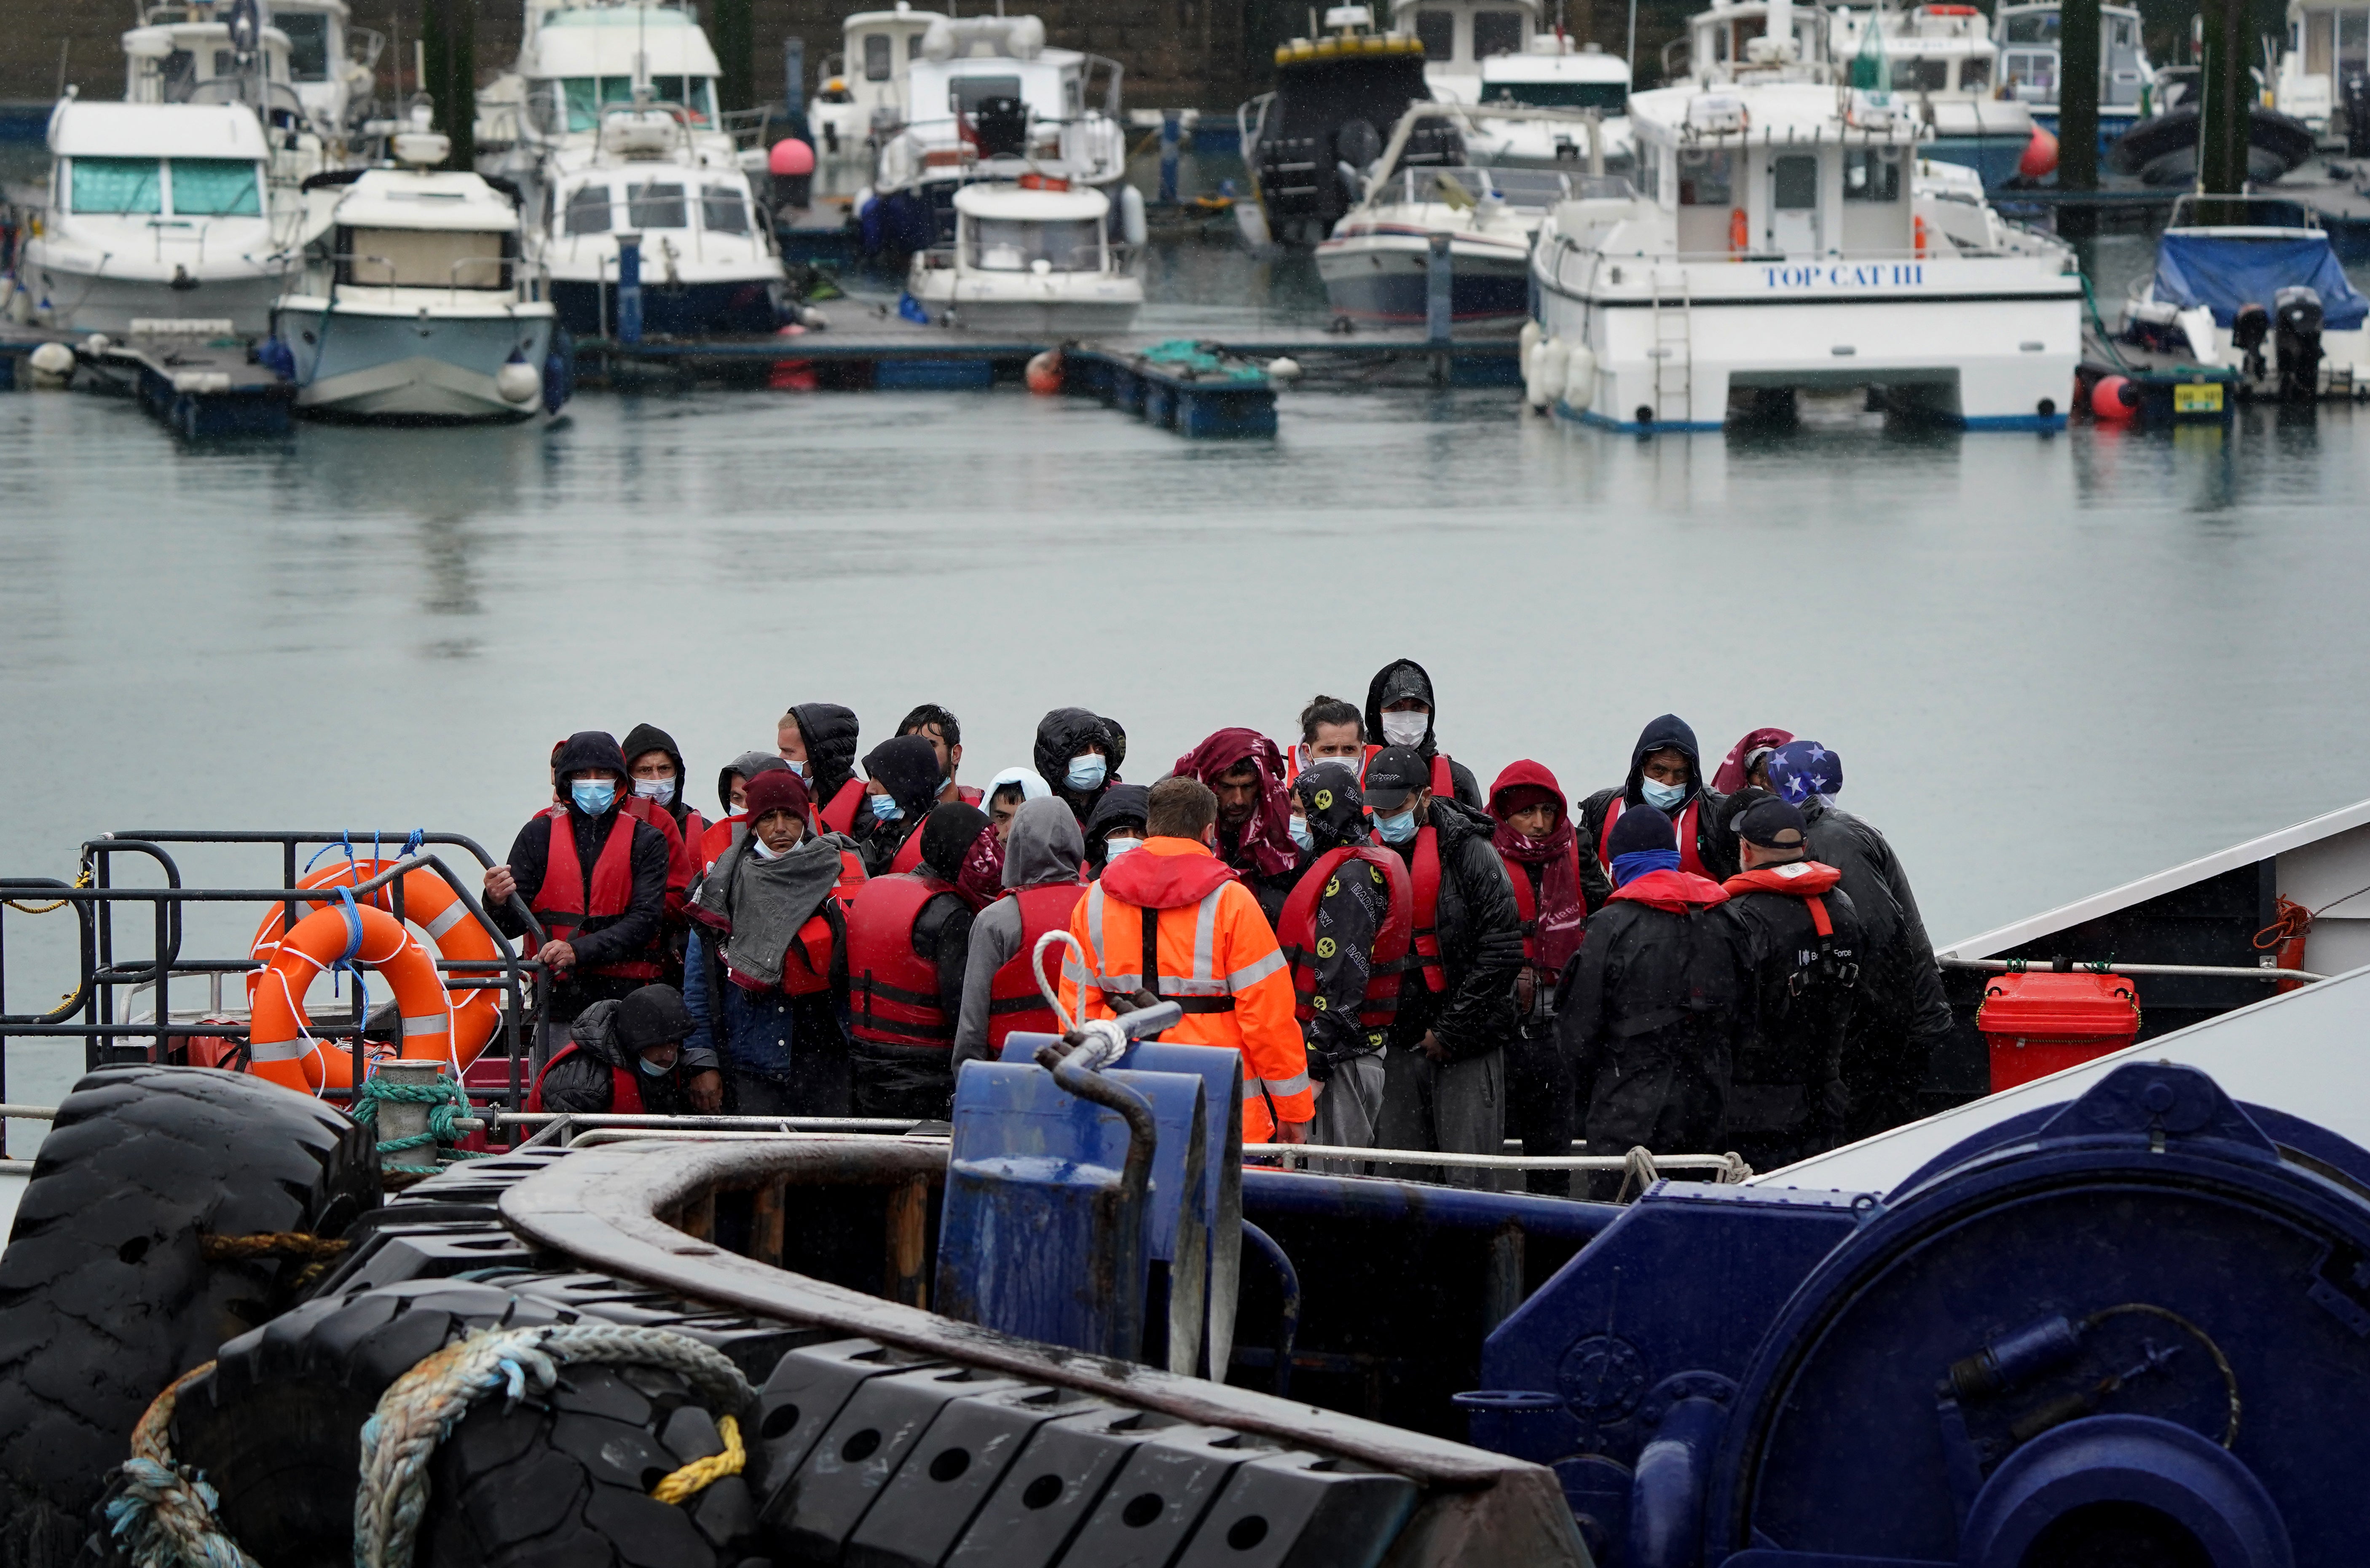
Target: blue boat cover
x=2226 y=273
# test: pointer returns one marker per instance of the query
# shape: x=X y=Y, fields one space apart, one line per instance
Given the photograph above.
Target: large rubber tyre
x=560 y=1481
x=104 y=1295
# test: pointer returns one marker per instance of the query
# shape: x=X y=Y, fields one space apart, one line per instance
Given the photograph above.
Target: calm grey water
x=2049 y=663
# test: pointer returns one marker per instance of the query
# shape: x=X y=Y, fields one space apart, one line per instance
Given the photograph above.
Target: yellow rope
x=24 y=908
x=148 y=1435
x=695 y=1476
x=268 y=1244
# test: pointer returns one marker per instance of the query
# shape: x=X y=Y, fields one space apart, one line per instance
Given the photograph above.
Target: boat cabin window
x=2353 y=43
x=2032 y=27
x=588 y=209
x=1436 y=30
x=308 y=44
x=117 y=185
x=1531 y=188
x=2032 y=74
x=1607 y=95
x=1497 y=33
x=1074 y=95
x=1871 y=174
x=586 y=96
x=423 y=258
x=215 y=188
x=880 y=52
x=656 y=206
x=1011 y=245
x=696 y=94
x=722 y=211
x=1649 y=170
x=1974 y=73
x=1913 y=74
x=965 y=94
x=1706 y=177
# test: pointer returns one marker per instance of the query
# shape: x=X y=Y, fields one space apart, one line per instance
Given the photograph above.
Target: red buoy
x=2040 y=159
x=2114 y=399
x=1045 y=373
x=791 y=157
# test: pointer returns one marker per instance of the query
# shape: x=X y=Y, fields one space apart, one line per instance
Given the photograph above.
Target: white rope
x=1050 y=993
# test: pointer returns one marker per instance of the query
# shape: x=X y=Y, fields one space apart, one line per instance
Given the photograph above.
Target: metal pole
x=1168 y=132
x=1631 y=54
x=1439 y=314
x=2078 y=69
x=629 y=288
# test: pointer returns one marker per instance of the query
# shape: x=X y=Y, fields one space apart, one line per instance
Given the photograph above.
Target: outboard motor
x=2297 y=311
x=1001 y=124
x=2155 y=325
x=2248 y=332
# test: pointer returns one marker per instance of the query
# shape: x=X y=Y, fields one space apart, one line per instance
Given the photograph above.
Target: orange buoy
x=2040 y=158
x=1739 y=232
x=2114 y=399
x=1918 y=229
x=1044 y=373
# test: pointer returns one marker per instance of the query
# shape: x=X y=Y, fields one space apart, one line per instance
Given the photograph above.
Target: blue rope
x=353 y=945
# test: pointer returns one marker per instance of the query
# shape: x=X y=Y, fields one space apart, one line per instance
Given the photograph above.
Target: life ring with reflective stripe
x=430 y=903
x=279 y=1046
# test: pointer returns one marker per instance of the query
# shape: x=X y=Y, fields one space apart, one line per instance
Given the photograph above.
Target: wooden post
x=2224 y=120
x=909 y=1219
x=449 y=56
x=736 y=53
x=2079 y=67
x=699 y=1219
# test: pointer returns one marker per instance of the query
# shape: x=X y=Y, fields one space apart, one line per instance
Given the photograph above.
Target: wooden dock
x=196 y=377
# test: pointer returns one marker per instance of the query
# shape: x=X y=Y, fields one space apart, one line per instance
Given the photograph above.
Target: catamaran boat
x=419 y=306
x=2029 y=71
x=1778 y=242
x=862 y=94
x=1937 y=61
x=1490 y=51
x=155 y=211
x=580 y=59
x=707 y=260
x=1033 y=258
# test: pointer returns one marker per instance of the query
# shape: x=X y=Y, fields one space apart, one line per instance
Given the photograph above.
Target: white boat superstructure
x=1780 y=240
x=2328 y=41
x=418 y=304
x=1748 y=41
x=1493 y=52
x=2027 y=37
x=988 y=87
x=155 y=211
x=579 y=61
x=863 y=89
x=1938 y=62
x=1030 y=259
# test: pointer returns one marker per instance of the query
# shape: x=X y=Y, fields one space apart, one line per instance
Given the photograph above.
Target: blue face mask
x=798 y=767
x=1661 y=796
x=1085 y=772
x=1397 y=828
x=885 y=808
x=593 y=796
x=653 y=1069
x=1298 y=828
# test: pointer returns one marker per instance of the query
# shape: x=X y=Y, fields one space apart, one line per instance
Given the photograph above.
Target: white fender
x=1527 y=354
x=1132 y=226
x=1553 y=355
x=1580 y=378
x=863 y=200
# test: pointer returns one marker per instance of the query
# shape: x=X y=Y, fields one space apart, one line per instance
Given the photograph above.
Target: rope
x=268 y=1244
x=2106 y=338
x=419 y=1409
x=165 y=1515
x=1638 y=1174
x=21 y=907
x=1037 y=968
x=446 y=1104
x=2221 y=1362
x=1735 y=1173
x=698 y=1475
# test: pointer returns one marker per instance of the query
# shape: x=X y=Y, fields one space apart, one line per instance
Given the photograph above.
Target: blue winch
x=2130 y=1329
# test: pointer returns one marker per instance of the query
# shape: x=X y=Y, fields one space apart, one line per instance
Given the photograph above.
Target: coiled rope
x=446 y=1105
x=165 y=1516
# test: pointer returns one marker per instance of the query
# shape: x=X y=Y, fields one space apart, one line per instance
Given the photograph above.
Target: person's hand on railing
x=1292 y=1132
x=558 y=956
x=500 y=884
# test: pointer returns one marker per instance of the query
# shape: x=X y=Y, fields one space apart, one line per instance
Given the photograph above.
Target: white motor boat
x=706 y=257
x=1501 y=52
x=1780 y=242
x=1377 y=266
x=1030 y=259
x=417 y=305
x=2025 y=37
x=863 y=88
x=580 y=59
x=1938 y=61
x=155 y=211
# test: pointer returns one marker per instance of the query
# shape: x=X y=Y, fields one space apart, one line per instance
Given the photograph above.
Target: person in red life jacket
x=1445 y=1076
x=1244 y=771
x=944 y=731
x=1665 y=774
x=1078 y=754
x=908 y=943
x=596 y=877
x=1330 y=730
x=1802 y=940
x=1006 y=794
x=655 y=771
x=818 y=740
x=1345 y=931
x=1400 y=713
x=1117 y=826
x=1536 y=841
x=1747 y=763
x=731 y=791
x=1040 y=890
x=1652 y=1012
x=626 y=1057
x=765 y=977
x=900 y=785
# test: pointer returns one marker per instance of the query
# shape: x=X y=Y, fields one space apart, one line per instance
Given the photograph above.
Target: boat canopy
x=2223 y=272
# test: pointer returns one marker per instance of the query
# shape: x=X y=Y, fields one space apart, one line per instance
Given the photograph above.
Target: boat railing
x=2249 y=210
x=453 y=285
x=747 y=127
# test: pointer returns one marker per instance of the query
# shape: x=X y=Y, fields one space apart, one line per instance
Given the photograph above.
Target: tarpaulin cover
x=2224 y=274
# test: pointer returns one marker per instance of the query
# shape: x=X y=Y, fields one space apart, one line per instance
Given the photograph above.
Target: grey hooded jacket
x=1045 y=847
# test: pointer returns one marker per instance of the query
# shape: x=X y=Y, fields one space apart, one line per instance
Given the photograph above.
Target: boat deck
x=200 y=382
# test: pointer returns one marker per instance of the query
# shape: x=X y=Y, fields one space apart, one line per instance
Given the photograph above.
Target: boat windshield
x=721 y=209
x=117 y=185
x=1609 y=97
x=215 y=188
x=2032 y=27
x=189 y=188
x=969 y=92
x=1913 y=74
x=423 y=258
x=657 y=206
x=586 y=96
x=308 y=44
x=1014 y=245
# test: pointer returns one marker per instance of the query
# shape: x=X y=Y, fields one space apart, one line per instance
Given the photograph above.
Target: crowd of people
x=1692 y=961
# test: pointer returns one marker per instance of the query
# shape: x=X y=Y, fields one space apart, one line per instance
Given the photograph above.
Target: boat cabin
x=580 y=61
x=184 y=55
x=1730 y=40
x=1545 y=76
x=999 y=228
x=168 y=173
x=416 y=229
x=1781 y=179
x=1459 y=35
x=870 y=71
x=1933 y=50
x=2326 y=44
x=2028 y=41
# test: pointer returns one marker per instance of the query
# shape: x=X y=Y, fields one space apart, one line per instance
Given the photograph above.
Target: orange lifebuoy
x=1920 y=232
x=1739 y=232
x=279 y=1046
x=430 y=903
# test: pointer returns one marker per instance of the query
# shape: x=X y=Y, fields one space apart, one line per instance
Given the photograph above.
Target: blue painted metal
x=629 y=288
x=1439 y=291
x=1169 y=124
x=1182 y=386
x=1288 y=1282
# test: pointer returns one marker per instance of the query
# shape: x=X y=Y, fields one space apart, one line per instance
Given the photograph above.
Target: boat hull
x=719 y=308
x=80 y=300
x=418 y=368
x=1035 y=317
x=1386 y=280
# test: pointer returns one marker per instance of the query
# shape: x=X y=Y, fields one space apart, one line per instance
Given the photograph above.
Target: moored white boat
x=1377 y=266
x=1937 y=61
x=1027 y=260
x=1488 y=52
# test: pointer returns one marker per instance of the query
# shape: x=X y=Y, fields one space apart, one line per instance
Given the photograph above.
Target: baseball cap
x=1771 y=823
x=1396 y=773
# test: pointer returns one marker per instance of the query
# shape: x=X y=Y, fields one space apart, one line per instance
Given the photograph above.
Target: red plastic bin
x=2043 y=1022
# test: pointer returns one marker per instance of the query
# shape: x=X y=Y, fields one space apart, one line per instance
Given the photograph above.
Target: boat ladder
x=1674 y=347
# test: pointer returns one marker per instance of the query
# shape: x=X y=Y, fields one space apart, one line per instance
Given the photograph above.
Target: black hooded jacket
x=908 y=767
x=829 y=731
x=1714 y=845
x=649 y=738
x=600 y=941
x=1788 y=1065
x=1901 y=1013
x=580 y=1081
x=1061 y=735
x=1468 y=788
x=747 y=766
x=1121 y=802
x=1481 y=944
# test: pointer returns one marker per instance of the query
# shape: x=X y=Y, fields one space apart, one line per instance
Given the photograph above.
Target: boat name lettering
x=1848 y=275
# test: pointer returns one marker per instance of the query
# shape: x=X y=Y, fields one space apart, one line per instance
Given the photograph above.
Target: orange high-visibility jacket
x=1214 y=953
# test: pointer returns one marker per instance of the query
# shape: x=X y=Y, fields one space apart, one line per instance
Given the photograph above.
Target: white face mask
x=1114 y=848
x=757 y=844
x=654 y=789
x=1406 y=729
x=798 y=767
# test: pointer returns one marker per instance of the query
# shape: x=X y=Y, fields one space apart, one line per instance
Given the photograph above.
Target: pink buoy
x=791 y=157
x=2040 y=159
x=1045 y=373
x=2114 y=399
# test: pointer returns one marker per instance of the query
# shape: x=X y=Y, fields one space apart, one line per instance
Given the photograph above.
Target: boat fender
x=1044 y=374
x=1739 y=232
x=1580 y=378
x=1132 y=226
x=53 y=366
x=1921 y=233
x=559 y=373
x=863 y=200
x=1530 y=339
x=518 y=382
x=274 y=355
x=1286 y=368
x=2114 y=399
x=1555 y=360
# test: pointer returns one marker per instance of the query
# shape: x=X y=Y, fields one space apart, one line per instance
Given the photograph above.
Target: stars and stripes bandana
x=1800 y=769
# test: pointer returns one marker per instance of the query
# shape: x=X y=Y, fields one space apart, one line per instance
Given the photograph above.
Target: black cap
x=652 y=1016
x=1771 y=823
x=1396 y=773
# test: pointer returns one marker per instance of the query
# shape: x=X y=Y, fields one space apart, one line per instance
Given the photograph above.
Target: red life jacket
x=1690 y=860
x=624 y=1094
x=717 y=838
x=1014 y=1002
x=1526 y=899
x=1296 y=934
x=909 y=854
x=851 y=877
x=561 y=902
x=892 y=991
x=806 y=966
x=1425 y=875
x=682 y=868
x=840 y=814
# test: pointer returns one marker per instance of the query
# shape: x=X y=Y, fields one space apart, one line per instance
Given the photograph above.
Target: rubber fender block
x=922 y=1512
x=1300 y=1510
x=478 y=1181
x=754 y=1344
x=1160 y=1493
x=437 y=1250
x=851 y=1464
x=799 y=1398
x=1049 y=1490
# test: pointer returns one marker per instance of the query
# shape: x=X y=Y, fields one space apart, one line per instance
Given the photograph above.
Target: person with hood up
x=767 y=971
x=1006 y=794
x=1399 y=712
x=731 y=788
x=1665 y=772
x=1445 y=1077
x=1747 y=763
x=1244 y=771
x=1345 y=931
x=1169 y=923
x=1117 y=825
x=1040 y=892
x=1802 y=940
x=1078 y=754
x=655 y=764
x=908 y=943
x=596 y=877
x=1902 y=1016
x=1541 y=851
x=1653 y=1011
x=900 y=785
x=818 y=740
x=626 y=1056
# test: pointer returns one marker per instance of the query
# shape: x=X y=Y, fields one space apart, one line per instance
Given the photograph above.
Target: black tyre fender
x=105 y=1297
x=559 y=1479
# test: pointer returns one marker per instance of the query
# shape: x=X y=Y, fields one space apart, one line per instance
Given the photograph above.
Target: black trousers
x=1541 y=1109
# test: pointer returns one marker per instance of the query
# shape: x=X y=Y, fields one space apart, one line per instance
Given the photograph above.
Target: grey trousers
x=1348 y=1112
x=1455 y=1107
